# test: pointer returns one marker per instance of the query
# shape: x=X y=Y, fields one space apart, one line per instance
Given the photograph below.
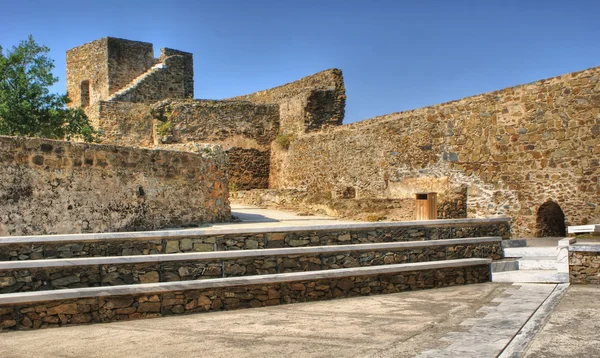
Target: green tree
x=27 y=108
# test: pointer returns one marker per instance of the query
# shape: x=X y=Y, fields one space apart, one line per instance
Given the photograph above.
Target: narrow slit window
x=85 y=93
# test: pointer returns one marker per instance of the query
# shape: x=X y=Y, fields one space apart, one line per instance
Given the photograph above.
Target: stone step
x=105 y=304
x=56 y=274
x=505 y=265
x=224 y=237
x=531 y=251
x=538 y=263
x=529 y=276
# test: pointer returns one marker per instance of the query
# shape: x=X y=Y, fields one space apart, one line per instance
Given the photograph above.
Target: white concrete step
x=528 y=276
x=538 y=263
x=510 y=264
x=549 y=251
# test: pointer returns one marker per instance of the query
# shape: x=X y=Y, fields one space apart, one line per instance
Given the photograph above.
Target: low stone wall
x=584 y=264
x=248 y=168
x=165 y=300
x=40 y=277
x=197 y=240
x=56 y=187
x=341 y=203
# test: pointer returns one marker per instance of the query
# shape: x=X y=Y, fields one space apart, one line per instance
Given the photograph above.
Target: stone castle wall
x=88 y=62
x=311 y=103
x=244 y=129
x=126 y=61
x=188 y=69
x=54 y=187
x=166 y=81
x=514 y=149
x=125 y=123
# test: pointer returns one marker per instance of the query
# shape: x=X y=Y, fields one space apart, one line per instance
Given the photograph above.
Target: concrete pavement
x=573 y=328
x=394 y=325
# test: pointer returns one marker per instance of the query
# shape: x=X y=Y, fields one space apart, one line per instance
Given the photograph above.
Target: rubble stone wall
x=310 y=103
x=113 y=247
x=513 y=149
x=584 y=267
x=88 y=62
x=127 y=307
x=52 y=278
x=127 y=60
x=56 y=187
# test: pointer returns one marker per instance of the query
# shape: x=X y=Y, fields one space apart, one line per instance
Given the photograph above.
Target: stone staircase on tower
x=161 y=66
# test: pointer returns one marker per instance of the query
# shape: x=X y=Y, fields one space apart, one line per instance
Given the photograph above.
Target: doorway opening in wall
x=85 y=93
x=550 y=220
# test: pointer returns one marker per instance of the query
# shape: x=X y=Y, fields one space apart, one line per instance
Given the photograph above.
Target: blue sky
x=395 y=55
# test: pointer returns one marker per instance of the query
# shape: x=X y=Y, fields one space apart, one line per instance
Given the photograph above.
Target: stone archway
x=550 y=220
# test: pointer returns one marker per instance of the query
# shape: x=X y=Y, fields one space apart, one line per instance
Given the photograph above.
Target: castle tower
x=112 y=69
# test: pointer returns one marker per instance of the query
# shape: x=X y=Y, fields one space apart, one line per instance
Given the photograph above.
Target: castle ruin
x=530 y=152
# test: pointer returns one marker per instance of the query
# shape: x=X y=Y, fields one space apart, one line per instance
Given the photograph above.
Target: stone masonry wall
x=227 y=123
x=584 y=267
x=51 y=250
x=159 y=83
x=188 y=69
x=310 y=103
x=52 y=278
x=245 y=130
x=55 y=187
x=127 y=60
x=88 y=62
x=125 y=123
x=513 y=149
x=119 y=308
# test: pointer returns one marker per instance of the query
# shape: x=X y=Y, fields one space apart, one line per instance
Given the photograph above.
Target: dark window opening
x=85 y=93
x=550 y=220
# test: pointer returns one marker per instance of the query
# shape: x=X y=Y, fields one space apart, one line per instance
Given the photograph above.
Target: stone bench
x=34 y=275
x=243 y=237
x=105 y=304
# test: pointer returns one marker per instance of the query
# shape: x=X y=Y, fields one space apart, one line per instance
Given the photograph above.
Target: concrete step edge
x=76 y=293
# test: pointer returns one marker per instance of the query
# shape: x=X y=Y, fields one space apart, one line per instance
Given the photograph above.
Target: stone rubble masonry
x=41 y=249
x=514 y=149
x=584 y=266
x=111 y=65
x=135 y=306
x=245 y=130
x=451 y=205
x=56 y=187
x=308 y=104
x=93 y=275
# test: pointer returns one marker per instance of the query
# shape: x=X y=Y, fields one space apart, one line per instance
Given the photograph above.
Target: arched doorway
x=550 y=220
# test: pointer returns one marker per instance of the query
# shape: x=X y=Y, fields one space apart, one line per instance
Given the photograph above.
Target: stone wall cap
x=152 y=288
x=246 y=228
x=593 y=228
x=238 y=254
x=585 y=248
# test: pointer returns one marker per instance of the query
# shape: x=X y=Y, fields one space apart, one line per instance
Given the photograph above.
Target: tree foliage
x=27 y=108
